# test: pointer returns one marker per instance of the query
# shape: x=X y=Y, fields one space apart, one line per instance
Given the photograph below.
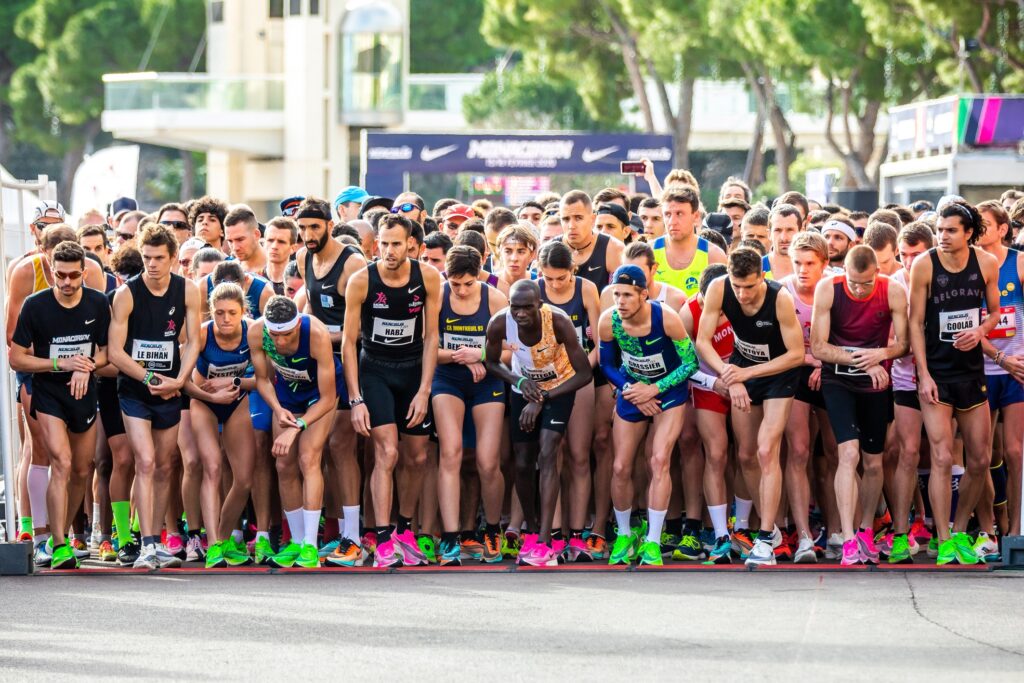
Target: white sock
x=743 y=508
x=295 y=525
x=622 y=521
x=655 y=521
x=310 y=525
x=350 y=523
x=38 y=480
x=40 y=538
x=262 y=534
x=954 y=470
x=95 y=514
x=237 y=536
x=719 y=519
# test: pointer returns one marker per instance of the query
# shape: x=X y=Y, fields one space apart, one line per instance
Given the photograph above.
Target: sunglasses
x=405 y=208
x=68 y=275
x=177 y=225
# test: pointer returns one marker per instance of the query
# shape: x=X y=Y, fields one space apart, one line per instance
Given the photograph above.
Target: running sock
x=556 y=534
x=674 y=527
x=576 y=533
x=691 y=526
x=383 y=534
x=622 y=527
x=449 y=538
x=956 y=473
x=25 y=525
x=310 y=525
x=237 y=536
x=135 y=522
x=743 y=508
x=404 y=523
x=763 y=535
x=38 y=480
x=922 y=485
x=350 y=523
x=719 y=519
x=95 y=514
x=150 y=540
x=495 y=529
x=195 y=533
x=40 y=538
x=122 y=521
x=655 y=522
x=262 y=534
x=295 y=524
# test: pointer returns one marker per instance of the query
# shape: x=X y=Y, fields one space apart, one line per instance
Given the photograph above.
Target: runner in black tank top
x=954 y=304
x=757 y=338
x=153 y=330
x=392 y=318
x=278 y=286
x=325 y=302
x=595 y=268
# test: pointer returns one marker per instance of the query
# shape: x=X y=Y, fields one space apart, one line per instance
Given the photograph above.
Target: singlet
x=857 y=324
x=903 y=372
x=392 y=317
x=455 y=330
x=766 y=267
x=252 y=295
x=648 y=358
x=325 y=303
x=213 y=361
x=547 y=363
x=39 y=282
x=954 y=305
x=153 y=330
x=111 y=282
x=722 y=341
x=756 y=338
x=278 y=286
x=297 y=373
x=595 y=268
x=686 y=279
x=54 y=332
x=1007 y=335
x=803 y=311
x=575 y=309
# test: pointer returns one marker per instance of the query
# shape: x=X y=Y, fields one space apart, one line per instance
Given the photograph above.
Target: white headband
x=287 y=326
x=839 y=226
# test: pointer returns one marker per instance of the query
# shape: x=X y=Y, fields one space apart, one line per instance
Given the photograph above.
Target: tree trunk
x=684 y=123
x=631 y=59
x=782 y=133
x=753 y=169
x=856 y=155
x=188 y=175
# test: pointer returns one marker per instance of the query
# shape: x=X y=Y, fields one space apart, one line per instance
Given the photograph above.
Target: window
x=295 y=7
x=216 y=11
x=314 y=7
x=276 y=9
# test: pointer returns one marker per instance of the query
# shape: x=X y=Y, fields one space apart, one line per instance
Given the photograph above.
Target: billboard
x=941 y=125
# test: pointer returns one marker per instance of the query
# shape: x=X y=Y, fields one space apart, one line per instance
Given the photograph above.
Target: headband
x=287 y=326
x=312 y=212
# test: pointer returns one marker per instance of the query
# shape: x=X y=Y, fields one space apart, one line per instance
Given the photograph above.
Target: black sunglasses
x=177 y=225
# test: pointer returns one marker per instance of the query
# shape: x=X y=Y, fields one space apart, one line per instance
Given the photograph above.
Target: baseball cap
x=614 y=210
x=289 y=205
x=459 y=211
x=352 y=193
x=122 y=205
x=373 y=201
x=839 y=226
x=719 y=222
x=48 y=209
x=629 y=275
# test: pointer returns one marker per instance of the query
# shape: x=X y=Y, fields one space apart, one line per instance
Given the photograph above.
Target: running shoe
x=537 y=554
x=387 y=554
x=492 y=548
x=821 y=541
x=235 y=554
x=866 y=542
x=689 y=548
x=920 y=531
x=147 y=558
x=428 y=546
x=899 y=553
x=347 y=554
x=884 y=544
x=25 y=537
x=472 y=549
x=64 y=558
x=597 y=547
x=194 y=549
x=578 y=551
x=707 y=539
x=986 y=548
x=406 y=544
x=742 y=542
x=308 y=557
x=328 y=548
x=721 y=553
x=650 y=554
x=912 y=543
x=215 y=557
x=853 y=553
x=510 y=543
x=287 y=556
x=805 y=553
x=946 y=552
x=262 y=551
x=881 y=523
x=964 y=548
x=79 y=548
x=623 y=550
x=175 y=546
x=834 y=548
x=783 y=553
x=451 y=554
x=95 y=536
x=761 y=554
x=560 y=549
x=369 y=541
x=933 y=547
x=166 y=558
x=669 y=543
x=127 y=555
x=43 y=553
x=106 y=552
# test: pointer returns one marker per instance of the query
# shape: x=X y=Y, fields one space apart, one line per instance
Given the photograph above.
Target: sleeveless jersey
x=392 y=317
x=857 y=324
x=153 y=329
x=278 y=286
x=213 y=361
x=903 y=372
x=648 y=358
x=297 y=373
x=547 y=363
x=722 y=341
x=803 y=311
x=252 y=295
x=39 y=282
x=1008 y=335
x=325 y=303
x=756 y=338
x=954 y=305
x=575 y=309
x=457 y=330
x=766 y=267
x=595 y=268
x=686 y=279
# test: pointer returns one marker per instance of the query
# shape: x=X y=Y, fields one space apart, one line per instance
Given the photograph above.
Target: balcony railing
x=193 y=92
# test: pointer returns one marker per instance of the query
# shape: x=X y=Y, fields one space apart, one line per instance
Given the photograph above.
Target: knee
x=242 y=479
x=163 y=471
x=145 y=466
x=385 y=458
x=716 y=459
x=849 y=457
x=622 y=469
x=285 y=469
x=213 y=472
x=309 y=461
x=872 y=467
x=193 y=467
x=488 y=470
x=546 y=458
x=60 y=466
x=450 y=458
x=766 y=456
x=81 y=471
x=941 y=457
x=659 y=464
x=418 y=459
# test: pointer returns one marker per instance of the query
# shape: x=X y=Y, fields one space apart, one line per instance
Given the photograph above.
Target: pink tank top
x=903 y=372
x=803 y=311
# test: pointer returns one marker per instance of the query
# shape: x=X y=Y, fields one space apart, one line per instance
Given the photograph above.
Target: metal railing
x=183 y=91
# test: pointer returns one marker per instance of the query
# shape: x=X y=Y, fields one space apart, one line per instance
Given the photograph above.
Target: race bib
x=334 y=329
x=233 y=370
x=452 y=341
x=326 y=301
x=645 y=367
x=291 y=374
x=952 y=323
x=58 y=351
x=543 y=374
x=1007 y=325
x=157 y=356
x=394 y=332
x=849 y=370
x=758 y=353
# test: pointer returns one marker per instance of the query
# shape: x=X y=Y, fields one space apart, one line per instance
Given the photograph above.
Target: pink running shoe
x=387 y=554
x=406 y=544
x=175 y=546
x=578 y=551
x=867 y=546
x=538 y=555
x=919 y=531
x=559 y=548
x=369 y=541
x=528 y=541
x=852 y=553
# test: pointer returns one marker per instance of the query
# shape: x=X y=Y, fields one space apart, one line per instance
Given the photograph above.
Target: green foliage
x=445 y=37
x=769 y=189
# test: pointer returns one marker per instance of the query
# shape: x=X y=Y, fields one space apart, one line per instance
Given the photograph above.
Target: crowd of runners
x=611 y=378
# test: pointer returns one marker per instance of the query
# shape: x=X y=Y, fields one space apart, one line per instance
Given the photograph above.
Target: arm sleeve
x=687 y=366
x=608 y=365
x=703 y=380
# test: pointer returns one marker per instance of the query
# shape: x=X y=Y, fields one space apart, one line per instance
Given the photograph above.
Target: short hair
x=636 y=250
x=530 y=203
x=996 y=209
x=611 y=194
x=344 y=229
x=576 y=197
x=471 y=238
x=545 y=198
x=715 y=237
x=879 y=234
x=860 y=258
x=820 y=216
x=917 y=233
x=397 y=220
x=156 y=235
x=172 y=206
x=520 y=234
x=556 y=254
x=135 y=216
x=1017 y=210
x=438 y=240
x=348 y=239
x=497 y=219
x=54 y=234
x=858 y=215
x=462 y=260
x=682 y=194
x=442 y=205
x=228 y=271
x=94 y=229
x=650 y=203
x=314 y=207
x=207 y=204
x=292 y=269
x=756 y=216
x=738 y=182
x=241 y=214
x=969 y=217
x=635 y=200
x=796 y=199
x=207 y=255
x=227 y=290
x=280 y=309
x=781 y=210
x=473 y=225
x=744 y=262
x=755 y=245
x=481 y=207
x=69 y=252
x=922 y=205
x=1012 y=195
x=734 y=203
x=833 y=209
x=285 y=223
x=808 y=240
x=886 y=216
x=681 y=176
x=127 y=262
x=711 y=273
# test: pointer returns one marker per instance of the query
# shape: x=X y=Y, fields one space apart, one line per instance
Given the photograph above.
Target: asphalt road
x=760 y=626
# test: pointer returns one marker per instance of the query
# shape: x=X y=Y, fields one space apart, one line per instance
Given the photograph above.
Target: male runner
x=281 y=241
x=754 y=227
x=840 y=236
x=762 y=374
x=392 y=309
x=207 y=215
x=595 y=254
x=242 y=235
x=785 y=223
x=681 y=255
x=652 y=218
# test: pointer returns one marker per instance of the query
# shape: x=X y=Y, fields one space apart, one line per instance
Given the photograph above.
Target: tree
x=13 y=52
x=445 y=37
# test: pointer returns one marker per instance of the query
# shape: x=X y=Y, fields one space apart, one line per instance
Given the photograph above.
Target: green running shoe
x=933 y=546
x=235 y=554
x=308 y=557
x=263 y=550
x=947 y=553
x=986 y=548
x=964 y=548
x=669 y=543
x=286 y=558
x=64 y=557
x=428 y=547
x=650 y=553
x=900 y=551
x=639 y=534
x=689 y=548
x=624 y=550
x=215 y=556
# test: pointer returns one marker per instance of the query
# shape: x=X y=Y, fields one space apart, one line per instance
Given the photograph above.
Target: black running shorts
x=859 y=416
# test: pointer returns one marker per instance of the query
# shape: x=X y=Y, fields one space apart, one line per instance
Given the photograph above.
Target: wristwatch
x=545 y=395
x=357 y=401
x=237 y=381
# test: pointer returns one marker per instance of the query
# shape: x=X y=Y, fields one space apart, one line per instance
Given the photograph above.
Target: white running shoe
x=805 y=551
x=194 y=549
x=165 y=558
x=762 y=553
x=147 y=558
x=834 y=548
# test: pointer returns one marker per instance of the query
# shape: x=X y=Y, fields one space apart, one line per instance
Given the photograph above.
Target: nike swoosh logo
x=427 y=154
x=652 y=341
x=666 y=404
x=592 y=155
x=591 y=269
x=91 y=418
x=299 y=360
x=426 y=424
x=331 y=285
x=413 y=289
x=90 y=322
x=449 y=321
x=497 y=393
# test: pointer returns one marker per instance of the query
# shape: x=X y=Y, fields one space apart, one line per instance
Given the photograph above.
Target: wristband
x=483 y=353
x=149 y=376
x=521 y=380
x=703 y=380
x=55 y=368
x=302 y=423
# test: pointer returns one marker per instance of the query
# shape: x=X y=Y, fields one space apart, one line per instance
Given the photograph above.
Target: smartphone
x=632 y=167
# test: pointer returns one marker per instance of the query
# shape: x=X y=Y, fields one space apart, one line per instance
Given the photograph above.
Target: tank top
x=756 y=338
x=803 y=311
x=595 y=268
x=213 y=361
x=547 y=363
x=648 y=358
x=252 y=295
x=457 y=330
x=857 y=324
x=39 y=282
x=721 y=341
x=296 y=373
x=392 y=317
x=278 y=286
x=153 y=329
x=575 y=309
x=686 y=279
x=903 y=372
x=1007 y=335
x=325 y=303
x=766 y=267
x=954 y=305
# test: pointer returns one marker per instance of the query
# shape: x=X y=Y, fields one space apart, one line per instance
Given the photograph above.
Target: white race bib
x=645 y=367
x=1007 y=325
x=849 y=370
x=394 y=332
x=233 y=370
x=542 y=374
x=757 y=353
x=952 y=323
x=291 y=374
x=333 y=329
x=452 y=341
x=157 y=356
x=58 y=351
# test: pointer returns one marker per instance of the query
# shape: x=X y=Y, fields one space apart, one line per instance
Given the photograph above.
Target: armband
x=703 y=380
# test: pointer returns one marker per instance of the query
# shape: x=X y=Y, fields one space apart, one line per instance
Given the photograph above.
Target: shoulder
x=496 y=325
x=715 y=253
x=495 y=299
x=589 y=288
